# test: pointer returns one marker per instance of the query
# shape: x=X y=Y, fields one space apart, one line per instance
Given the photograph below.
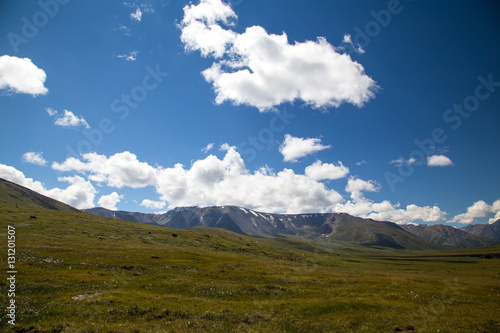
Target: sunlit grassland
x=139 y=278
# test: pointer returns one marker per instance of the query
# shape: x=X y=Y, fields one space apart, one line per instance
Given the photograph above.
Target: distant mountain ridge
x=334 y=226
x=448 y=235
x=484 y=230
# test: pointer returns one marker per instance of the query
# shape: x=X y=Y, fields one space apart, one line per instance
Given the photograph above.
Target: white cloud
x=439 y=161
x=400 y=161
x=34 y=158
x=224 y=181
x=479 y=209
x=68 y=119
x=21 y=76
x=146 y=8
x=264 y=70
x=357 y=186
x=51 y=111
x=200 y=31
x=227 y=182
x=109 y=201
x=403 y=216
x=210 y=40
x=294 y=148
x=226 y=147
x=360 y=163
x=209 y=12
x=321 y=171
x=119 y=170
x=132 y=56
x=125 y=30
x=137 y=16
x=208 y=148
x=495 y=208
x=12 y=174
x=79 y=194
x=357 y=48
x=150 y=204
x=385 y=210
x=210 y=181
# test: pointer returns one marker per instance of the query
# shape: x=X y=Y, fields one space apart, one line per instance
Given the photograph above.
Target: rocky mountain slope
x=448 y=235
x=484 y=230
x=334 y=226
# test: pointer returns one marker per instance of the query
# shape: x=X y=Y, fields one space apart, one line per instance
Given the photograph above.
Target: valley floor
x=80 y=273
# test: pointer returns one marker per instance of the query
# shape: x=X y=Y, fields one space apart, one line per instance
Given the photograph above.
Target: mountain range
x=324 y=228
x=469 y=236
x=329 y=226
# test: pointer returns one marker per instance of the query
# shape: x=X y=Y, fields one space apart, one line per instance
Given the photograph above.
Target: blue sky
x=381 y=109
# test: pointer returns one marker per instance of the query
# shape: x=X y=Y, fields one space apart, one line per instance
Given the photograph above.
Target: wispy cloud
x=207 y=148
x=132 y=56
x=348 y=40
x=137 y=15
x=67 y=119
x=401 y=161
x=51 y=111
x=147 y=8
x=34 y=158
x=125 y=30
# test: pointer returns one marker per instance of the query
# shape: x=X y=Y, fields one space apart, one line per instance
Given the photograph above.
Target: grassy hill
x=82 y=273
x=13 y=196
x=375 y=234
x=77 y=272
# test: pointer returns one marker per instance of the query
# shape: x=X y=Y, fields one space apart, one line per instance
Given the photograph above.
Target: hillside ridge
x=17 y=196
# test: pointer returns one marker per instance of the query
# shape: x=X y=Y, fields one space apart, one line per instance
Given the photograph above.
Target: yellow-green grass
x=139 y=278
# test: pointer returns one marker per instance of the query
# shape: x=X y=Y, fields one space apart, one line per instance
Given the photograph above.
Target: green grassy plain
x=132 y=277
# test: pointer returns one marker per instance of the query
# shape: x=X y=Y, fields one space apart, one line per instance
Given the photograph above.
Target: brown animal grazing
x=32 y=217
x=174 y=235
